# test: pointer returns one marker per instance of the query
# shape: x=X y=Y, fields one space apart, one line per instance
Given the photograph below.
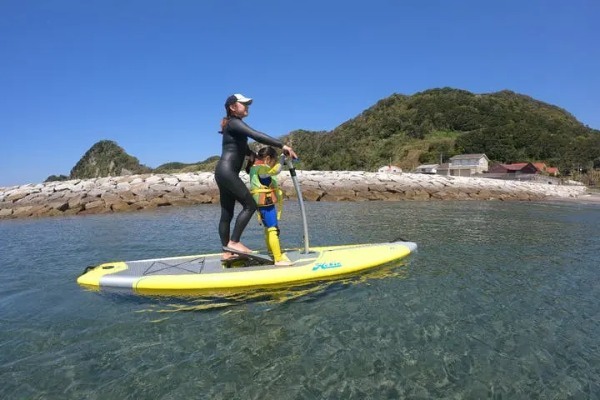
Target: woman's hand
x=288 y=151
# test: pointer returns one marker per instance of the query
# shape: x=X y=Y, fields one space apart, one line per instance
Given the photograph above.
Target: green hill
x=206 y=165
x=106 y=158
x=440 y=123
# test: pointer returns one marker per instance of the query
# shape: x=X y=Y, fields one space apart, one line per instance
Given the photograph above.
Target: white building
x=465 y=165
x=427 y=168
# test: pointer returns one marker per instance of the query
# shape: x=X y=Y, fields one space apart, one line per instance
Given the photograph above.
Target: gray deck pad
x=201 y=265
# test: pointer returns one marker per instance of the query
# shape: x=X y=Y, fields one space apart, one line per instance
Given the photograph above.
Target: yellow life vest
x=266 y=195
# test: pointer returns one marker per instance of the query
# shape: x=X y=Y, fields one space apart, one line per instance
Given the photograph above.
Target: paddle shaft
x=290 y=165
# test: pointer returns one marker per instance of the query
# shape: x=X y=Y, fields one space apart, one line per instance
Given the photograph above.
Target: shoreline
x=148 y=191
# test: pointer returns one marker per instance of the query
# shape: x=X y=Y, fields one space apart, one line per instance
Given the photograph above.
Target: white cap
x=237 y=98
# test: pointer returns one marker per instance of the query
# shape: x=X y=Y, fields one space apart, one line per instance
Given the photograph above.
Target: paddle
x=288 y=161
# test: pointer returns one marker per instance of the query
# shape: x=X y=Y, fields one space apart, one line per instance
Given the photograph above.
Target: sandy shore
x=139 y=192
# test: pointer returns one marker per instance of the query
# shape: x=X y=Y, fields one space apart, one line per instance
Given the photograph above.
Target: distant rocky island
x=107 y=158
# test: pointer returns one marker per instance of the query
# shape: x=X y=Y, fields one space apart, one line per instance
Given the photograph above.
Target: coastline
x=148 y=191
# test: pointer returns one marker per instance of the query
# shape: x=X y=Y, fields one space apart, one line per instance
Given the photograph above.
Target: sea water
x=500 y=301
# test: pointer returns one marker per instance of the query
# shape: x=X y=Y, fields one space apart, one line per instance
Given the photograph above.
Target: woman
x=231 y=187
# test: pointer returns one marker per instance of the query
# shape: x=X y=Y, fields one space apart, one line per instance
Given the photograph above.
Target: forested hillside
x=439 y=123
x=206 y=165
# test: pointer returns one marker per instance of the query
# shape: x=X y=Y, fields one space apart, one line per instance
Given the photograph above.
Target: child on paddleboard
x=263 y=173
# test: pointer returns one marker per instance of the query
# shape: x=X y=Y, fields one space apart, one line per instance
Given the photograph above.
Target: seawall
x=139 y=192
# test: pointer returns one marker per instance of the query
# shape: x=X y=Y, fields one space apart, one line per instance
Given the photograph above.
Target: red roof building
x=552 y=171
x=542 y=167
x=521 y=168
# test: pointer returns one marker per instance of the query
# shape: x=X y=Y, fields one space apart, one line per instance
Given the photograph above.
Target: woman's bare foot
x=239 y=246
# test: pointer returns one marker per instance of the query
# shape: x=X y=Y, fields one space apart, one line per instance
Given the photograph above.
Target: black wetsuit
x=227 y=175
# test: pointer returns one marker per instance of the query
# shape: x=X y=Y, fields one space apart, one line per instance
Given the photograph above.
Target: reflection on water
x=307 y=292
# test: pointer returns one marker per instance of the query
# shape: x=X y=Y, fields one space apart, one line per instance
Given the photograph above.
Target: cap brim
x=240 y=98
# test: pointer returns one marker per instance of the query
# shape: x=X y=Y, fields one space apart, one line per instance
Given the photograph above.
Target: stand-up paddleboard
x=208 y=272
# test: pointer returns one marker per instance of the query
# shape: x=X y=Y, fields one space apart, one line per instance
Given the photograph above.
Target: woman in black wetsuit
x=231 y=187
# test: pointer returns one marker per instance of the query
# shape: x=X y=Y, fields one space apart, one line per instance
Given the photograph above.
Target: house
x=540 y=166
x=552 y=171
x=465 y=165
x=516 y=168
x=525 y=171
x=427 y=169
x=390 y=168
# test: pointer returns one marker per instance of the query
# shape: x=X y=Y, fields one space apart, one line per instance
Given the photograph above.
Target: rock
x=128 y=197
x=64 y=186
x=144 y=205
x=110 y=198
x=444 y=195
x=22 y=211
x=120 y=205
x=170 y=180
x=94 y=205
x=338 y=195
x=200 y=198
x=160 y=187
x=189 y=177
x=96 y=192
x=75 y=201
x=160 y=202
x=154 y=179
x=17 y=195
x=60 y=206
x=420 y=195
x=32 y=198
x=39 y=210
x=311 y=195
x=483 y=194
x=123 y=186
x=140 y=188
x=377 y=187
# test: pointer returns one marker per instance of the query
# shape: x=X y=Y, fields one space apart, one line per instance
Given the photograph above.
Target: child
x=269 y=198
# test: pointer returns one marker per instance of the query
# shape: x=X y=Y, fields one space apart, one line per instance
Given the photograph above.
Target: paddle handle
x=290 y=165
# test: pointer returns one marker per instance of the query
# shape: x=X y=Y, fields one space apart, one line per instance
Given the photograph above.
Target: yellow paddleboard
x=207 y=273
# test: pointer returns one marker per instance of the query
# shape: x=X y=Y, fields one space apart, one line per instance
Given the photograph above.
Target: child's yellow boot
x=267 y=242
x=274 y=247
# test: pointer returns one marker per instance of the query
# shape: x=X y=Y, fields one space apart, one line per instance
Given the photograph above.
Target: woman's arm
x=239 y=127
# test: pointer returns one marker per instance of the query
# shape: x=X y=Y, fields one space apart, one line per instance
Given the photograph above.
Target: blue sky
x=153 y=75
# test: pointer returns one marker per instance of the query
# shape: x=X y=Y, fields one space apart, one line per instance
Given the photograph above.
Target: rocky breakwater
x=105 y=195
x=138 y=192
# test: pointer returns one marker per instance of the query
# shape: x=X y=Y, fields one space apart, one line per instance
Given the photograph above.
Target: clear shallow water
x=500 y=301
